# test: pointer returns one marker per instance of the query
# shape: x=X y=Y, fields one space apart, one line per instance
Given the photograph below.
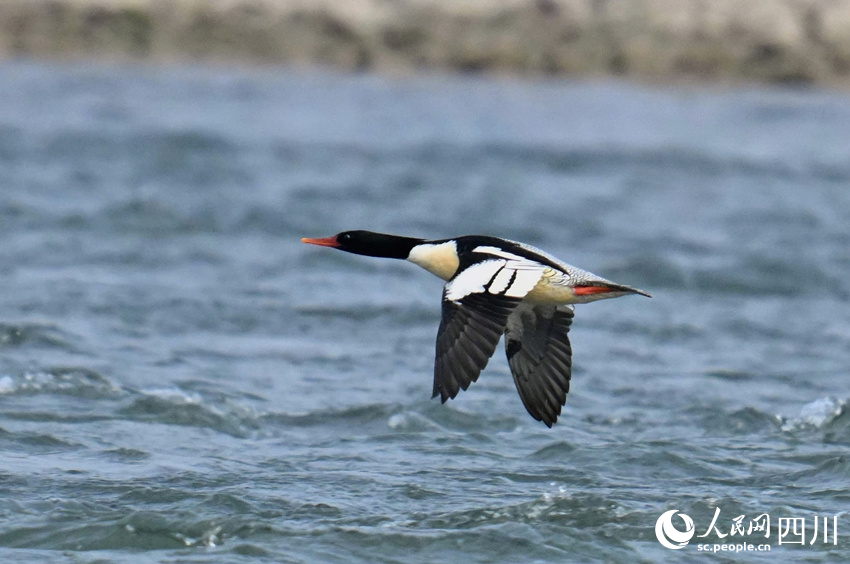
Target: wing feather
x=469 y=333
x=477 y=303
x=540 y=356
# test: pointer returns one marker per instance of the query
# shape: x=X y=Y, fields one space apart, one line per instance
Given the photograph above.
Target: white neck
x=437 y=258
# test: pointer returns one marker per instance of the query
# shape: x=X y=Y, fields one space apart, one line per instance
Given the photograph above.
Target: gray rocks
x=787 y=41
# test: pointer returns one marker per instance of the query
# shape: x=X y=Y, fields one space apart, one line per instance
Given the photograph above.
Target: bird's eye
x=345 y=237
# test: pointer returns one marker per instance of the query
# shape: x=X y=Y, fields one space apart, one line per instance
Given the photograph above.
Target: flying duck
x=495 y=286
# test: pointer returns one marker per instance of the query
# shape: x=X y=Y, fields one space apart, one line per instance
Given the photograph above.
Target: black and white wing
x=539 y=353
x=469 y=333
x=477 y=302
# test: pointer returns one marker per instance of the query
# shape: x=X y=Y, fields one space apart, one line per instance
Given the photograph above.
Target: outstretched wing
x=539 y=353
x=476 y=304
x=467 y=338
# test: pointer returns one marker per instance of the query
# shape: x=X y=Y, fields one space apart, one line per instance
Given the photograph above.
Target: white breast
x=440 y=258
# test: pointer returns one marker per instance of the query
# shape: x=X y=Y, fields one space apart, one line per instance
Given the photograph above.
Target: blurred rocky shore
x=782 y=41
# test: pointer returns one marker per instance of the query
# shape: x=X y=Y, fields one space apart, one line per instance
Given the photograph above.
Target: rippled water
x=182 y=381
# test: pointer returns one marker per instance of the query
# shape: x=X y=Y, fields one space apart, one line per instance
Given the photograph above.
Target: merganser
x=496 y=286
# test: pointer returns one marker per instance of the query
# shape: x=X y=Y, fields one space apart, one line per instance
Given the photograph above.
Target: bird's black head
x=368 y=243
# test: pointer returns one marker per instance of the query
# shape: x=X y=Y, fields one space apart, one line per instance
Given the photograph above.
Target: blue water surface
x=181 y=380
